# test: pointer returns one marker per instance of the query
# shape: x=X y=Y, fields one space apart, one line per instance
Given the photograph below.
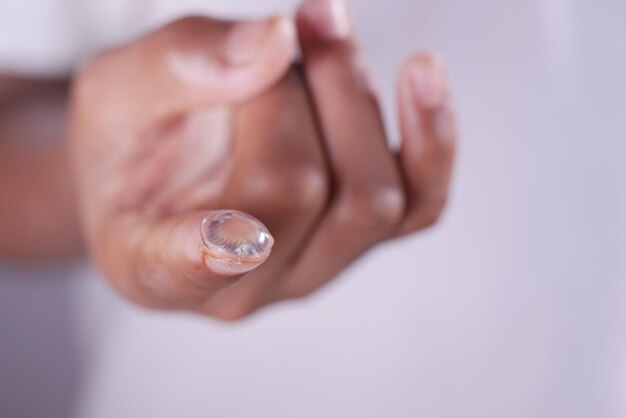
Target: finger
x=179 y=262
x=428 y=139
x=190 y=63
x=280 y=177
x=368 y=200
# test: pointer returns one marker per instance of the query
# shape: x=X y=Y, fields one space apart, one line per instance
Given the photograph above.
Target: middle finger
x=368 y=201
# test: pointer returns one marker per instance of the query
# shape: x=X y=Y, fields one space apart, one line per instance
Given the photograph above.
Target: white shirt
x=512 y=307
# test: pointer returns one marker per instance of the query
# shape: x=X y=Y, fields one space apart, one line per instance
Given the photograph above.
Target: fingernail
x=328 y=19
x=235 y=243
x=429 y=83
x=246 y=39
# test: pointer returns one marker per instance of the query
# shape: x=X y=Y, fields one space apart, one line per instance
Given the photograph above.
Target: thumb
x=191 y=62
x=181 y=261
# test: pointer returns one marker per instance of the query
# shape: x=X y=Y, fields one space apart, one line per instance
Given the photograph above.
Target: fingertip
x=424 y=59
x=271 y=62
x=327 y=20
x=425 y=99
x=188 y=256
x=215 y=61
x=281 y=37
x=425 y=77
x=284 y=27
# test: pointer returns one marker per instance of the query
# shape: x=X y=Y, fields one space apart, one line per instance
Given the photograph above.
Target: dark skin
x=167 y=129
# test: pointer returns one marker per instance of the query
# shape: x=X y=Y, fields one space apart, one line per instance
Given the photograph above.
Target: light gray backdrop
x=512 y=307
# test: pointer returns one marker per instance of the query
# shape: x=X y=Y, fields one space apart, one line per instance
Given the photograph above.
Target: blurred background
x=513 y=306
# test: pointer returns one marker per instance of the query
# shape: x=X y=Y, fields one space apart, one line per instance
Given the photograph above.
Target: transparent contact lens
x=236 y=237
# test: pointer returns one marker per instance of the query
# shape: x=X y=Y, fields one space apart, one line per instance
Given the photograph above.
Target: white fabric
x=512 y=307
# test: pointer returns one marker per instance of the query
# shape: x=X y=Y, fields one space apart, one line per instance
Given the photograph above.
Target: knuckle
x=292 y=189
x=376 y=210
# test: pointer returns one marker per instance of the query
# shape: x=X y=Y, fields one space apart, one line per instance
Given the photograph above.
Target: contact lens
x=236 y=238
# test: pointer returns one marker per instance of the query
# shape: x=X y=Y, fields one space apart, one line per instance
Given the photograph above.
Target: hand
x=167 y=129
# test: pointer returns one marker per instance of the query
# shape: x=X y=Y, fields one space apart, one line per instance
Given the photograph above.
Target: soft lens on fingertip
x=236 y=237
